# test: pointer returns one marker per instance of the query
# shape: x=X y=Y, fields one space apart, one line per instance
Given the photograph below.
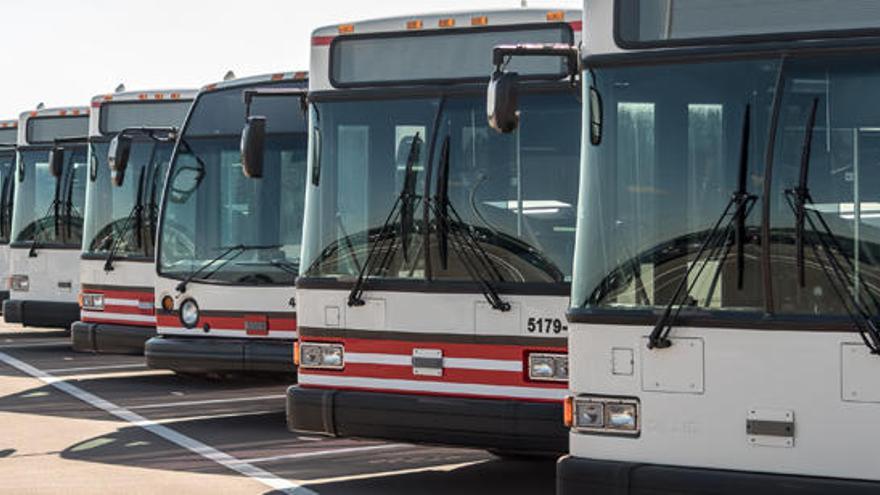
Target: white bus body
x=8 y=139
x=431 y=357
x=47 y=228
x=228 y=245
x=117 y=267
x=724 y=373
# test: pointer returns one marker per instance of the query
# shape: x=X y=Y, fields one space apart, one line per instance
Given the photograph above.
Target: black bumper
x=199 y=355
x=578 y=476
x=40 y=313
x=4 y=295
x=503 y=425
x=109 y=338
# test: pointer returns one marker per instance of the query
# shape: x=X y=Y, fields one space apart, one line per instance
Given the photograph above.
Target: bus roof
x=251 y=80
x=56 y=112
x=145 y=96
x=323 y=37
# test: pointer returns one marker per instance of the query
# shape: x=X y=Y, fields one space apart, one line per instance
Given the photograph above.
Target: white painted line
x=208 y=417
x=366 y=476
x=204 y=402
x=35 y=344
x=325 y=453
x=98 y=368
x=179 y=439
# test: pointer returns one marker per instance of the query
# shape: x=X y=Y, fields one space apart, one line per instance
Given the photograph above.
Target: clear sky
x=63 y=52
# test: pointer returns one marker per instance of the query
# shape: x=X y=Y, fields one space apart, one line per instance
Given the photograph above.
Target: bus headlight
x=321 y=356
x=606 y=415
x=189 y=313
x=19 y=283
x=545 y=367
x=92 y=302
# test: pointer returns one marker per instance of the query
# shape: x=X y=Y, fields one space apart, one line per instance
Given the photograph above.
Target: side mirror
x=595 y=117
x=502 y=101
x=117 y=157
x=253 y=137
x=56 y=161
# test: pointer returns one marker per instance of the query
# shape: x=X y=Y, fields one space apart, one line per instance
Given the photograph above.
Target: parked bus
x=8 y=138
x=121 y=215
x=47 y=218
x=724 y=303
x=229 y=237
x=437 y=253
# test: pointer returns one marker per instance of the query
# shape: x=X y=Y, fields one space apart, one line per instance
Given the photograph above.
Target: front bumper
x=576 y=476
x=199 y=355
x=109 y=338
x=504 y=425
x=4 y=295
x=40 y=313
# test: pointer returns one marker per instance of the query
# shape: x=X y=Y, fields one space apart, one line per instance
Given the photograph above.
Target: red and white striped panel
x=493 y=371
x=122 y=306
x=232 y=324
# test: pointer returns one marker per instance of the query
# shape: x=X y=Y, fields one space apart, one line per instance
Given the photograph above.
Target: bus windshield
x=669 y=162
x=514 y=195
x=211 y=207
x=125 y=215
x=7 y=184
x=49 y=210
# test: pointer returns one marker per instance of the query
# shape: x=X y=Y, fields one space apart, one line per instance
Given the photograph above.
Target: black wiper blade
x=132 y=220
x=718 y=240
x=450 y=226
x=841 y=275
x=235 y=251
x=403 y=209
x=38 y=226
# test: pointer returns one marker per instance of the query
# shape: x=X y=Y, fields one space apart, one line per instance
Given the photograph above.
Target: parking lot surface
x=84 y=423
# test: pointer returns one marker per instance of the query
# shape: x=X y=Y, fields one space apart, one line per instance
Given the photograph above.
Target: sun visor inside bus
x=444 y=56
x=45 y=130
x=8 y=136
x=118 y=116
x=655 y=22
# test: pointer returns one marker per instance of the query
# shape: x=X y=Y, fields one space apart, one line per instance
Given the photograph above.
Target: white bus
x=229 y=237
x=8 y=138
x=47 y=217
x=725 y=294
x=437 y=252
x=121 y=215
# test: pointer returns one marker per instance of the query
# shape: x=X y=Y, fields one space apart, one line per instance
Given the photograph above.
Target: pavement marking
x=26 y=345
x=208 y=417
x=179 y=439
x=97 y=368
x=119 y=374
x=205 y=402
x=324 y=453
x=400 y=472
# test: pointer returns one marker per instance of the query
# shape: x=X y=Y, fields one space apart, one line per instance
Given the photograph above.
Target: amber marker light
x=556 y=16
x=296 y=353
x=415 y=24
x=446 y=23
x=480 y=20
x=568 y=411
x=345 y=29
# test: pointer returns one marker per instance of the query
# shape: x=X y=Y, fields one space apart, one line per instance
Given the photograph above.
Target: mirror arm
x=250 y=94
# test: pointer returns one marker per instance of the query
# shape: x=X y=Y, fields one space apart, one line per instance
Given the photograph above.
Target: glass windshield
x=668 y=163
x=127 y=212
x=211 y=207
x=513 y=194
x=47 y=209
x=7 y=185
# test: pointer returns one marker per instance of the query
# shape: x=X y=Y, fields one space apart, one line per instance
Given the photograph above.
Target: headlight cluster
x=545 y=367
x=606 y=415
x=19 y=283
x=92 y=302
x=189 y=313
x=321 y=356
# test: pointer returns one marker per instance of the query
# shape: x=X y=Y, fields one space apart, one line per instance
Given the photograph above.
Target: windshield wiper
x=451 y=227
x=738 y=207
x=238 y=250
x=134 y=216
x=38 y=226
x=841 y=275
x=403 y=209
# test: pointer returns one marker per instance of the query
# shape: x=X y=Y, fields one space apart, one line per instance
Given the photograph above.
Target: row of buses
x=649 y=244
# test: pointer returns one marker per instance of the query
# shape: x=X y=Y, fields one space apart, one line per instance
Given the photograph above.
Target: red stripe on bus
x=450 y=375
x=474 y=351
x=231 y=323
